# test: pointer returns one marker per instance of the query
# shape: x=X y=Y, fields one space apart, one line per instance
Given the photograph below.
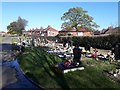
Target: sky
x=42 y=14
x=60 y=0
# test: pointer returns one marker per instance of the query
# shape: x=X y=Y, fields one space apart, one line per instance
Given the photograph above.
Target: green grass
x=14 y=39
x=2 y=39
x=36 y=64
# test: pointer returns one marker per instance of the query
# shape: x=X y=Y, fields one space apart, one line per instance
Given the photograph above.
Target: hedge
x=101 y=42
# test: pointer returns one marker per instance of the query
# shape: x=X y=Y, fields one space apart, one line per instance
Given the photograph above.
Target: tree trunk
x=76 y=30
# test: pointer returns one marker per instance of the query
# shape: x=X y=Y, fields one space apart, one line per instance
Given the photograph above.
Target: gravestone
x=117 y=51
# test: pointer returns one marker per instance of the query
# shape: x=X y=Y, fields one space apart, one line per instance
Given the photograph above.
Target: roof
x=42 y=29
x=110 y=30
x=49 y=28
x=36 y=29
x=2 y=32
x=97 y=32
x=83 y=29
x=103 y=31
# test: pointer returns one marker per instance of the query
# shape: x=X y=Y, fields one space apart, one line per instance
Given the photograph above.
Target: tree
x=77 y=17
x=17 y=27
x=12 y=28
x=21 y=24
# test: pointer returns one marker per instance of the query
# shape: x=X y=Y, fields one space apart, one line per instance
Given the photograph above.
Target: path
x=13 y=77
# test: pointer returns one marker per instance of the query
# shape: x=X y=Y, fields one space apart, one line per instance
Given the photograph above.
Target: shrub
x=101 y=42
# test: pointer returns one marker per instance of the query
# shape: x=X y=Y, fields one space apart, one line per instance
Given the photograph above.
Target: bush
x=101 y=42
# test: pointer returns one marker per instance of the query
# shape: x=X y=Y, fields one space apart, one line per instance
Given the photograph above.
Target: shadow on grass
x=59 y=78
x=42 y=61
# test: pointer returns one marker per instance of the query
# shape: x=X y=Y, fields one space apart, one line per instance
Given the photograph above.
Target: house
x=97 y=32
x=72 y=31
x=35 y=31
x=109 y=31
x=49 y=31
x=2 y=33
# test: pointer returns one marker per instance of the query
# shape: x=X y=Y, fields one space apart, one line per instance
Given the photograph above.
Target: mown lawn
x=35 y=62
x=14 y=39
x=2 y=39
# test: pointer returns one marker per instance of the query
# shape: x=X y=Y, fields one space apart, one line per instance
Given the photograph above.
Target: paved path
x=13 y=76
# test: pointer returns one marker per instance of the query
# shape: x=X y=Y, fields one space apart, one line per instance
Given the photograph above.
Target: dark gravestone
x=32 y=42
x=87 y=47
x=117 y=51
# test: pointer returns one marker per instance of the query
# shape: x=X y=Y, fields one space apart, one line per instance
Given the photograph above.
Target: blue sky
x=43 y=14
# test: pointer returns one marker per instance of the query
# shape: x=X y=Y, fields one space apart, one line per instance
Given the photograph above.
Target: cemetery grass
x=2 y=39
x=14 y=39
x=36 y=64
